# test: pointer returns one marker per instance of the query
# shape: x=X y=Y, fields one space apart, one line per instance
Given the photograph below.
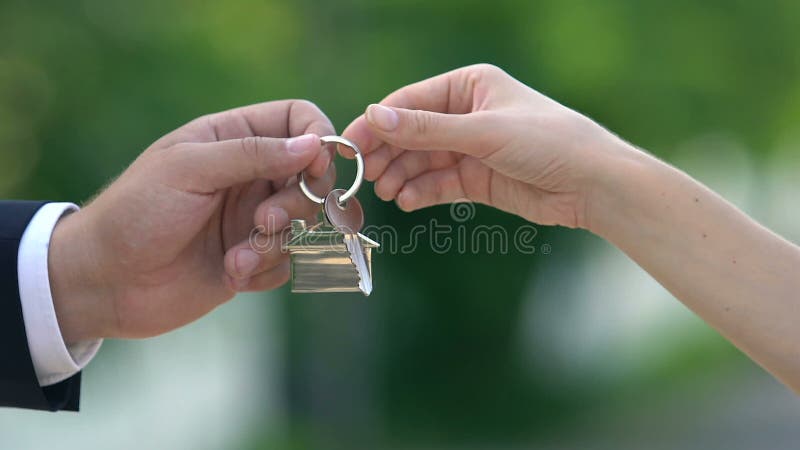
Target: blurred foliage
x=432 y=355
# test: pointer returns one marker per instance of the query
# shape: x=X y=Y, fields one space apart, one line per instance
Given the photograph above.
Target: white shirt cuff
x=53 y=360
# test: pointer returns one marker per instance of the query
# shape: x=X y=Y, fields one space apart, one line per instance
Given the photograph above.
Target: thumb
x=217 y=165
x=414 y=129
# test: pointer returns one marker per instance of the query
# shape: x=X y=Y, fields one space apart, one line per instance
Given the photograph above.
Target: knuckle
x=307 y=108
x=252 y=147
x=489 y=69
x=314 y=117
x=306 y=105
x=484 y=71
x=214 y=122
x=424 y=123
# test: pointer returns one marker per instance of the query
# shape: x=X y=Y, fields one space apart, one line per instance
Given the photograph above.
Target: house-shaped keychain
x=320 y=260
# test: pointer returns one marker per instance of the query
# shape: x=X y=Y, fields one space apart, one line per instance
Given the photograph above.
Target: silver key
x=348 y=218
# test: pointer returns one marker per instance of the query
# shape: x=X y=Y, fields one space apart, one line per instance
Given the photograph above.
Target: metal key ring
x=359 y=171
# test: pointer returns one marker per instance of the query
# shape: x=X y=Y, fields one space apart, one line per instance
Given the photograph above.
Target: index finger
x=450 y=92
x=280 y=119
x=276 y=119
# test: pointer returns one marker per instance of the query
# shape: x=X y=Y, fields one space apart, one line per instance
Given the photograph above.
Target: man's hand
x=477 y=133
x=167 y=241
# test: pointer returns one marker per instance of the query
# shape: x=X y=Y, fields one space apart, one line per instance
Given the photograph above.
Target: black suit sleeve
x=19 y=386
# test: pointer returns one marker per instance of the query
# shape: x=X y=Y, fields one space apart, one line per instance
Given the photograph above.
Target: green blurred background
x=573 y=349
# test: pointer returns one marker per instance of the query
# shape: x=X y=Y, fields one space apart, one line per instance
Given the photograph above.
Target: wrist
x=76 y=281
x=616 y=185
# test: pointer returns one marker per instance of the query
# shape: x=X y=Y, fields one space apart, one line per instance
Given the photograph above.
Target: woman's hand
x=493 y=140
x=477 y=133
x=167 y=241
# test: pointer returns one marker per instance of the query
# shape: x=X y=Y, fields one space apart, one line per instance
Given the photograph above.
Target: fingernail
x=301 y=144
x=277 y=219
x=246 y=262
x=405 y=199
x=382 y=117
